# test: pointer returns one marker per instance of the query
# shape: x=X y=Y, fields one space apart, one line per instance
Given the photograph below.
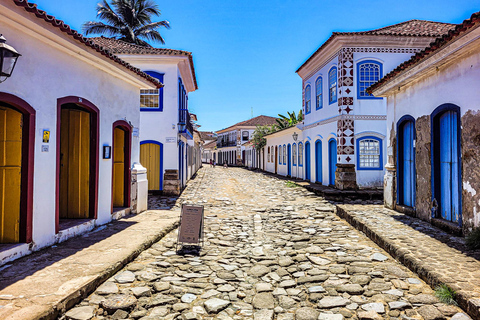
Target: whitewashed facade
x=284 y=153
x=59 y=81
x=344 y=127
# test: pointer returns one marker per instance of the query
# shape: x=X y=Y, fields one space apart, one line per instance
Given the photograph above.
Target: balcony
x=223 y=144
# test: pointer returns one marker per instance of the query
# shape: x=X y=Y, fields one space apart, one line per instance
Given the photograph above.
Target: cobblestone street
x=272 y=251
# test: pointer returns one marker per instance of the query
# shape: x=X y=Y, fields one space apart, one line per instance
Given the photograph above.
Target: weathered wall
x=423 y=168
x=471 y=169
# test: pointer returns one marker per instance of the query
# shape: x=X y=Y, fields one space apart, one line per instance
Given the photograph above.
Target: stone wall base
x=171 y=183
x=345 y=177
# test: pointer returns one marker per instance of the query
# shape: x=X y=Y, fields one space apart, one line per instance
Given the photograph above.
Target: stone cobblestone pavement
x=436 y=256
x=271 y=252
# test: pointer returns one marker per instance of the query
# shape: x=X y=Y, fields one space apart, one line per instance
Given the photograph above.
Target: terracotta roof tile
x=434 y=47
x=122 y=47
x=257 y=121
x=410 y=28
x=206 y=135
x=32 y=8
x=211 y=144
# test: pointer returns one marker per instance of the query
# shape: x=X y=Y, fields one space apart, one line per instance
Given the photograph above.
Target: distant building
x=433 y=136
x=344 y=131
x=165 y=121
x=69 y=145
x=231 y=141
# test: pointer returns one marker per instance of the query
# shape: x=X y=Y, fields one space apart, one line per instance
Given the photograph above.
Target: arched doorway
x=151 y=157
x=332 y=160
x=318 y=161
x=307 y=161
x=289 y=160
x=17 y=135
x=406 y=161
x=121 y=164
x=77 y=159
x=446 y=162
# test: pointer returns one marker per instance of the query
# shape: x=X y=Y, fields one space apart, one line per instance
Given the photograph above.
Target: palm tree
x=129 y=20
x=292 y=119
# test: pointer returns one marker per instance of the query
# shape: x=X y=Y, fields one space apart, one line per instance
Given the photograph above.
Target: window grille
x=369 y=153
x=149 y=98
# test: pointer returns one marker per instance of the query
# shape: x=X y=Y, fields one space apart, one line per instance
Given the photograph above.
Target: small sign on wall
x=136 y=132
x=170 y=139
x=107 y=152
x=46 y=136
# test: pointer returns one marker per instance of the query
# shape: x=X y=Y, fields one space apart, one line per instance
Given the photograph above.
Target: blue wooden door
x=307 y=161
x=289 y=161
x=408 y=164
x=332 y=163
x=318 y=161
x=449 y=195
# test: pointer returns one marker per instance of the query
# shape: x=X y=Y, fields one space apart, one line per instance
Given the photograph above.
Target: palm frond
x=93 y=27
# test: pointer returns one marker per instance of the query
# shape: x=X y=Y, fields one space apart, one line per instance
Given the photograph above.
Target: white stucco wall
x=278 y=139
x=42 y=75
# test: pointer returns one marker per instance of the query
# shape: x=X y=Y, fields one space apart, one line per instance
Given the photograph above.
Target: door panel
x=332 y=155
x=289 y=161
x=408 y=158
x=150 y=159
x=74 y=164
x=10 y=174
x=318 y=161
x=307 y=161
x=118 y=168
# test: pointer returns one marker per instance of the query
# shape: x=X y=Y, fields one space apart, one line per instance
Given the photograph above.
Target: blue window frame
x=368 y=73
x=332 y=85
x=308 y=99
x=284 y=154
x=294 y=155
x=152 y=99
x=300 y=154
x=279 y=154
x=318 y=93
x=370 y=153
x=182 y=107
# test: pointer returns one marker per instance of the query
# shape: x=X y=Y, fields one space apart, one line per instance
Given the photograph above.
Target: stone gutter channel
x=414 y=245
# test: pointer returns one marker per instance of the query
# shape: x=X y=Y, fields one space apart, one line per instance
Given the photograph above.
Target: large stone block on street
x=259 y=270
x=81 y=313
x=119 y=301
x=264 y=314
x=332 y=302
x=306 y=313
x=263 y=300
x=215 y=305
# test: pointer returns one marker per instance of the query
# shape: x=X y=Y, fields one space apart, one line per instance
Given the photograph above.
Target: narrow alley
x=272 y=250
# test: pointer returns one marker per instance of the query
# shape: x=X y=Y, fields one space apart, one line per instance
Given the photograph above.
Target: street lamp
x=8 y=59
x=295 y=136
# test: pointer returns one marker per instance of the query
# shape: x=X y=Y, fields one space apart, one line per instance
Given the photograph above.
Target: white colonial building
x=433 y=137
x=166 y=126
x=344 y=128
x=284 y=153
x=69 y=142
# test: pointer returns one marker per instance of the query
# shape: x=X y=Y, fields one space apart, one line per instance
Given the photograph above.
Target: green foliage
x=291 y=184
x=128 y=20
x=472 y=240
x=445 y=294
x=260 y=132
x=292 y=119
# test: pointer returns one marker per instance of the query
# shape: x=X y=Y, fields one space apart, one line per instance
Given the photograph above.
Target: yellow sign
x=46 y=136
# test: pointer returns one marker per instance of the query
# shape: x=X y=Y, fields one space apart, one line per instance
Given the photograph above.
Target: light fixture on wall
x=8 y=59
x=295 y=136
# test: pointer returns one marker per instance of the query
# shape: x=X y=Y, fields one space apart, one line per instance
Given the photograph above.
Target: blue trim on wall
x=434 y=117
x=294 y=163
x=400 y=123
x=284 y=154
x=319 y=105
x=380 y=162
x=161 y=158
x=298 y=154
x=279 y=154
x=330 y=101
x=310 y=89
x=370 y=97
x=289 y=159
x=160 y=77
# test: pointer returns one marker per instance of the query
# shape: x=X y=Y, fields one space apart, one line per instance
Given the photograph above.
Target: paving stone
x=125 y=277
x=141 y=291
x=119 y=301
x=108 y=288
x=215 y=305
x=306 y=313
x=188 y=298
x=460 y=316
x=264 y=314
x=332 y=302
x=378 y=307
x=263 y=300
x=328 y=316
x=81 y=313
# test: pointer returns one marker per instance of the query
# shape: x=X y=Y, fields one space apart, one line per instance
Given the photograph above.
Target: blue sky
x=246 y=52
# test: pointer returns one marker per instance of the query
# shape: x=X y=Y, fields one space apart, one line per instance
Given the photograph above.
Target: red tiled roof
x=411 y=28
x=257 y=121
x=32 y=8
x=434 y=47
x=206 y=135
x=122 y=47
x=211 y=144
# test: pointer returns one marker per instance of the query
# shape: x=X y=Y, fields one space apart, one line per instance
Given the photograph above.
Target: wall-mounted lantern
x=294 y=136
x=8 y=59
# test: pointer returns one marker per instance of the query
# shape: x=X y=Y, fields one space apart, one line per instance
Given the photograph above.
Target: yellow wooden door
x=150 y=159
x=10 y=174
x=74 y=164
x=118 y=167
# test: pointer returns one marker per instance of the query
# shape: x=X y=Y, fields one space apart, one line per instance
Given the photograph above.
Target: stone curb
x=89 y=287
x=429 y=275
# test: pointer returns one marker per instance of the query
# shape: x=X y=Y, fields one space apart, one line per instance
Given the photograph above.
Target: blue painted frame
x=298 y=154
x=289 y=159
x=308 y=89
x=330 y=100
x=435 y=171
x=380 y=162
x=400 y=123
x=308 y=171
x=284 y=154
x=332 y=166
x=369 y=97
x=294 y=163
x=161 y=158
x=318 y=165
x=160 y=77
x=319 y=102
x=279 y=154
